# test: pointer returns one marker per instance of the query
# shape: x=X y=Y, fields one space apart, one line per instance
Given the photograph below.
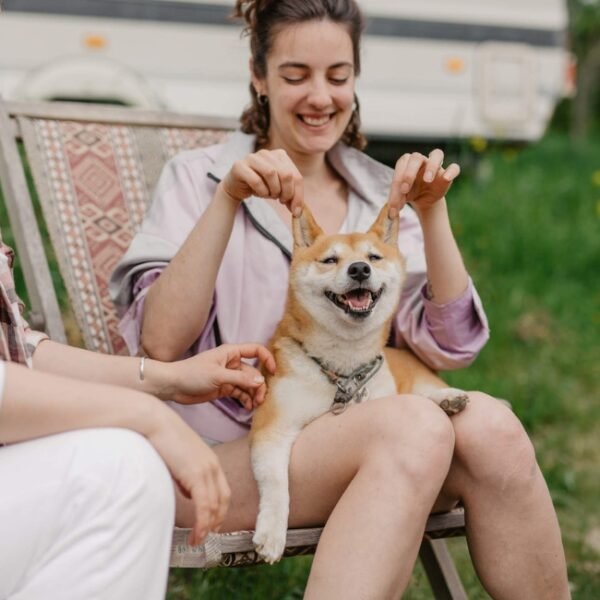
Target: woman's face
x=310 y=86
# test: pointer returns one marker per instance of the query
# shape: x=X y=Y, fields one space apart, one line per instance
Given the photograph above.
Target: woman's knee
x=491 y=444
x=411 y=434
x=122 y=467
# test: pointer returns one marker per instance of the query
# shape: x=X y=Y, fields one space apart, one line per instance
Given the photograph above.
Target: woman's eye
x=337 y=81
x=374 y=257
x=293 y=80
x=330 y=260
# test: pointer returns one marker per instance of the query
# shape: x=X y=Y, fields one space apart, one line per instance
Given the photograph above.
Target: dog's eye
x=374 y=257
x=330 y=260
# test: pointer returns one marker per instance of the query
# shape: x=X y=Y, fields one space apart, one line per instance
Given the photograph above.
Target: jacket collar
x=368 y=178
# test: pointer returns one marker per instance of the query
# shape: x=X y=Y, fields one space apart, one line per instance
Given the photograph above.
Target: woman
x=87 y=507
x=211 y=263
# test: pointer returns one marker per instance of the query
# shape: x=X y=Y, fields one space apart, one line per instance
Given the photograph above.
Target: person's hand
x=422 y=181
x=219 y=372
x=266 y=174
x=194 y=467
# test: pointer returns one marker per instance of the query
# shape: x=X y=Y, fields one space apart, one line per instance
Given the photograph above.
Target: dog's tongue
x=359 y=299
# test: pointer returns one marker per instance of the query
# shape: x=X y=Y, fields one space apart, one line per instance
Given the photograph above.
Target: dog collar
x=350 y=387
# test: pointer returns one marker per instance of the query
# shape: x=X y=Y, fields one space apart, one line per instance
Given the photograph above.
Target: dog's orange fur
x=407 y=369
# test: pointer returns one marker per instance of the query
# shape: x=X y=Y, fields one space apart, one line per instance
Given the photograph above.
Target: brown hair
x=264 y=18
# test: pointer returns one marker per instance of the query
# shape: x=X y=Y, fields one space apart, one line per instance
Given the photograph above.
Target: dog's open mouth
x=358 y=302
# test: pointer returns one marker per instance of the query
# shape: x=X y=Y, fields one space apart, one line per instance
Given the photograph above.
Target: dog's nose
x=359 y=271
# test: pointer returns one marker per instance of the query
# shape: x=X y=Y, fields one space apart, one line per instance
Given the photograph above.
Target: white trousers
x=84 y=515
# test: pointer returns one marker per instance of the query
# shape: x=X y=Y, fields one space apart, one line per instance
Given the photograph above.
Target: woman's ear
x=257 y=83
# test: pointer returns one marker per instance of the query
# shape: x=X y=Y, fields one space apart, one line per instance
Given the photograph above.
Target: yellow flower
x=596 y=178
x=479 y=144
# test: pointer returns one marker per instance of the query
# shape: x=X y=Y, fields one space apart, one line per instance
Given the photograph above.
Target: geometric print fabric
x=95 y=182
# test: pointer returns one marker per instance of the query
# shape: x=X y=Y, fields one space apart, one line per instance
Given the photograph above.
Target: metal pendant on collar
x=352 y=387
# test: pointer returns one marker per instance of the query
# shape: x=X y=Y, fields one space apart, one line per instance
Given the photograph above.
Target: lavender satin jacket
x=251 y=286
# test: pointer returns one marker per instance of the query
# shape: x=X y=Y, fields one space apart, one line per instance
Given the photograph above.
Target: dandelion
x=479 y=144
x=596 y=178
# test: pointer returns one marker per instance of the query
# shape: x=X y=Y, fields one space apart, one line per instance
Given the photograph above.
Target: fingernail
x=428 y=176
x=404 y=188
x=297 y=211
x=259 y=379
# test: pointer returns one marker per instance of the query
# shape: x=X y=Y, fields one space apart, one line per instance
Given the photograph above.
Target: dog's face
x=348 y=283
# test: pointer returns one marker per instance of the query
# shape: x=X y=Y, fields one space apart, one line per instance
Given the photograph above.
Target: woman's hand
x=422 y=181
x=216 y=373
x=266 y=174
x=195 y=469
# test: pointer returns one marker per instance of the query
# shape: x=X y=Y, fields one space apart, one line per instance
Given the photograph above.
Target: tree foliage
x=585 y=43
x=584 y=25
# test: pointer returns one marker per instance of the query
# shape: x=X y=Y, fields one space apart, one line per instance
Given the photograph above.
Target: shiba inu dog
x=330 y=352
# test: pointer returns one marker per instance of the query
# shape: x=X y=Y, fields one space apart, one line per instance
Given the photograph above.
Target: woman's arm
x=36 y=404
x=178 y=303
x=423 y=182
x=446 y=272
x=212 y=374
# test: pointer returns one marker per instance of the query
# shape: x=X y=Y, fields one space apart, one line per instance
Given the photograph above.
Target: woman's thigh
x=66 y=498
x=395 y=432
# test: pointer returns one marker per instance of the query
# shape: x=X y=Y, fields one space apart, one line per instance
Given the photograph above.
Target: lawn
x=527 y=221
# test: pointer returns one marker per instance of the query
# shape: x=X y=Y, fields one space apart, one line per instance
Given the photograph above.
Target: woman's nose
x=319 y=95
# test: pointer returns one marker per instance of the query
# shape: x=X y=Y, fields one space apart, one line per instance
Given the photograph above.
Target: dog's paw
x=450 y=400
x=269 y=539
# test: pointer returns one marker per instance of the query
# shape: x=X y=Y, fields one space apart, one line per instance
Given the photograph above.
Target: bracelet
x=142 y=365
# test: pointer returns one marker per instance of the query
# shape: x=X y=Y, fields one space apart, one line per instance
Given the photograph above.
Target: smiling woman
x=211 y=262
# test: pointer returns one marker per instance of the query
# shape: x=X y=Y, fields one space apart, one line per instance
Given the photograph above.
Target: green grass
x=527 y=222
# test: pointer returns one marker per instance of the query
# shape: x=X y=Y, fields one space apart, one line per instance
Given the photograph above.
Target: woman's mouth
x=316 y=120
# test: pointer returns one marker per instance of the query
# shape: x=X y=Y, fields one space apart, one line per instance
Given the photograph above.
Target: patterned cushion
x=94 y=183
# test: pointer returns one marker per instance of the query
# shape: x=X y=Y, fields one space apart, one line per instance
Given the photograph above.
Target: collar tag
x=350 y=388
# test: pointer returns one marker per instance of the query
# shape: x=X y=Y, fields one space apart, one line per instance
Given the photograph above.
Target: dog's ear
x=385 y=228
x=305 y=229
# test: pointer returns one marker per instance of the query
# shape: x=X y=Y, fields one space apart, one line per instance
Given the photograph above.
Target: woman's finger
x=288 y=175
x=415 y=164
x=200 y=500
x=224 y=494
x=244 y=173
x=433 y=165
x=396 y=199
x=245 y=377
x=264 y=164
x=294 y=192
x=251 y=350
x=452 y=172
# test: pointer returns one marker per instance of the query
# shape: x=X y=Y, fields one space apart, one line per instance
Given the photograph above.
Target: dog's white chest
x=308 y=391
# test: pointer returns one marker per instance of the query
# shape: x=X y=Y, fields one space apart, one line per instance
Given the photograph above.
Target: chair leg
x=440 y=570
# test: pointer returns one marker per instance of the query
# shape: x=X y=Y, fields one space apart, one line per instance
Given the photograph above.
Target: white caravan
x=432 y=69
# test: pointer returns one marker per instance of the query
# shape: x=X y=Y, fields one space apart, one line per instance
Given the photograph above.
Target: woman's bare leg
x=372 y=474
x=512 y=529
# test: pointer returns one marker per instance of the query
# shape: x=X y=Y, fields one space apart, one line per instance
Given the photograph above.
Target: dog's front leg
x=270 y=456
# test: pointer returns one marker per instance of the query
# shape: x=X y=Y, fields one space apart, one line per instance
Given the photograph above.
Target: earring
x=262 y=99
